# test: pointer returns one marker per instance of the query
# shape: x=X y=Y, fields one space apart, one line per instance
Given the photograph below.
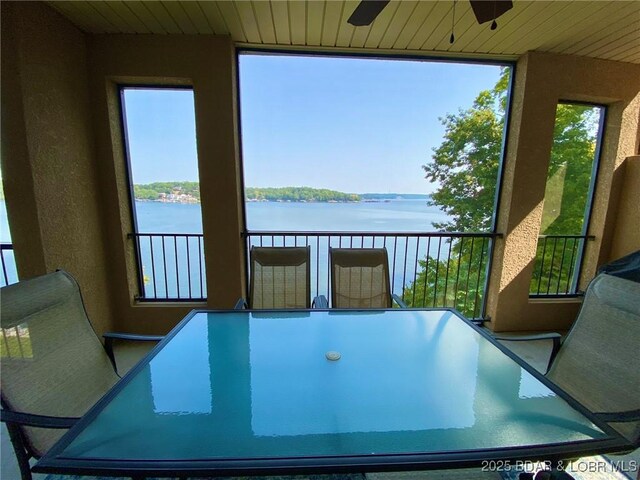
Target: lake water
x=173 y=268
x=391 y=216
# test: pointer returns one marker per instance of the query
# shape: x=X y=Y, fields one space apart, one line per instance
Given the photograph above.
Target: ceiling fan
x=484 y=10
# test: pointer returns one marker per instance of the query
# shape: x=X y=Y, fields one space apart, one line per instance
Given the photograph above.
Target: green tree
x=466 y=164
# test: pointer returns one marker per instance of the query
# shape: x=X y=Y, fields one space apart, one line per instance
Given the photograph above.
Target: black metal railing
x=8 y=261
x=433 y=269
x=557 y=265
x=171 y=266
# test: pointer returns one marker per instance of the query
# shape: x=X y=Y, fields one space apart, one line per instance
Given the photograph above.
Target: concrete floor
x=535 y=353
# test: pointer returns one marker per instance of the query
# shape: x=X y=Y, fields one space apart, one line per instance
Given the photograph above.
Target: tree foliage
x=153 y=191
x=299 y=194
x=466 y=163
x=158 y=190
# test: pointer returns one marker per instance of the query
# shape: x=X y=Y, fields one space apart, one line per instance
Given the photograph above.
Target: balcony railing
x=557 y=265
x=7 y=259
x=171 y=267
x=435 y=269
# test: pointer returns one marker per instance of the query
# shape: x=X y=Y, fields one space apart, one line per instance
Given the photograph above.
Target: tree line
x=299 y=194
x=156 y=190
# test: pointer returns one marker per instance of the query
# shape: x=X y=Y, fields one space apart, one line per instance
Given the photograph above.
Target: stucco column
x=521 y=203
x=49 y=173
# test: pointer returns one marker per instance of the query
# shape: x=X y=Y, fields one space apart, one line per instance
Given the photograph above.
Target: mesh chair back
x=52 y=361
x=360 y=278
x=598 y=363
x=280 y=277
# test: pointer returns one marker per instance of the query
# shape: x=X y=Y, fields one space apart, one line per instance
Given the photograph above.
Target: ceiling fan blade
x=485 y=11
x=366 y=12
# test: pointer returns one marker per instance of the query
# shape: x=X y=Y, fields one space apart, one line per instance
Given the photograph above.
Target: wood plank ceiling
x=600 y=29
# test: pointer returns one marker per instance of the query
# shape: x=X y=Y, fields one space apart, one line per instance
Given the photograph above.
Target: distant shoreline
x=189 y=192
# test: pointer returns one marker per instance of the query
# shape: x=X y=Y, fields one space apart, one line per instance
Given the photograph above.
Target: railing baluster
x=318 y=267
x=426 y=273
x=544 y=250
x=164 y=261
x=553 y=258
x=561 y=269
x=175 y=249
x=153 y=267
x=466 y=288
x=329 y=272
x=572 y=265
x=477 y=294
x=404 y=270
x=200 y=266
x=455 y=291
x=435 y=284
x=446 y=278
x=188 y=266
x=415 y=272
x=393 y=275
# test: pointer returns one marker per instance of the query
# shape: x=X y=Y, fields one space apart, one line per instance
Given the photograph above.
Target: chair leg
x=15 y=435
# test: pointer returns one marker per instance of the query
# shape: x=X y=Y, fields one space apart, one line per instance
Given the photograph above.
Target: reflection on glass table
x=254 y=392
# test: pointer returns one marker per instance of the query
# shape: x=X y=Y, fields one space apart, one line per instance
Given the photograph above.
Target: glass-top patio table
x=248 y=392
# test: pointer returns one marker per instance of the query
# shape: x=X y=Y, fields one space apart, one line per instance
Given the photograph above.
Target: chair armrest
x=241 y=304
x=555 y=337
x=398 y=300
x=109 y=337
x=320 y=302
x=32 y=420
x=626 y=416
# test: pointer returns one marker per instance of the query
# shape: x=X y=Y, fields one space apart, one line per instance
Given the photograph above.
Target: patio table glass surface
x=249 y=385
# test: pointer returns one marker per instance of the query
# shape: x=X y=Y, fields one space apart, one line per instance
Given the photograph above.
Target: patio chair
x=360 y=278
x=598 y=362
x=280 y=278
x=54 y=367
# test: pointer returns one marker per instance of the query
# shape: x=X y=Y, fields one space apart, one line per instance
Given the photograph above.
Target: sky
x=352 y=125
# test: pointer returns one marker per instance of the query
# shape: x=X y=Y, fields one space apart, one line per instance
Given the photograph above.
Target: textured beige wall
x=626 y=237
x=541 y=81
x=48 y=159
x=208 y=64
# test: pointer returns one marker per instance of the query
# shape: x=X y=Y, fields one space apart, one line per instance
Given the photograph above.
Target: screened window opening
x=567 y=201
x=355 y=152
x=160 y=137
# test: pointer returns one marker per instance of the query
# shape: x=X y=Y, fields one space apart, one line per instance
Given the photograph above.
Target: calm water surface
x=392 y=216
